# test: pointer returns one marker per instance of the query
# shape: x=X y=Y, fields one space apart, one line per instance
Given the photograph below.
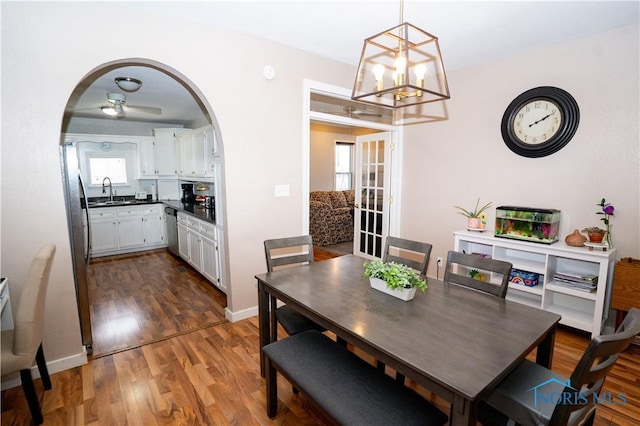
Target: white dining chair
x=22 y=344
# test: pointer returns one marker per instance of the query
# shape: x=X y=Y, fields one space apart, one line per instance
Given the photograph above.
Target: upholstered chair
x=22 y=344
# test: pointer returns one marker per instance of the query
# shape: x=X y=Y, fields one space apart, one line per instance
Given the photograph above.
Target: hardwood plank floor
x=211 y=376
x=140 y=298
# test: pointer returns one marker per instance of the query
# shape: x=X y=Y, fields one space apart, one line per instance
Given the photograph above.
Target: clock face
x=537 y=122
x=540 y=121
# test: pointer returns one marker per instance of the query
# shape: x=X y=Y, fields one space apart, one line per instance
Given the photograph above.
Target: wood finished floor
x=137 y=299
x=210 y=376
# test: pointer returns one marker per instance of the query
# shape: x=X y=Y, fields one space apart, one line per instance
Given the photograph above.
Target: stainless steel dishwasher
x=172 y=229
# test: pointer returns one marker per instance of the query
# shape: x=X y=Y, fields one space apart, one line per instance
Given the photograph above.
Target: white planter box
x=404 y=294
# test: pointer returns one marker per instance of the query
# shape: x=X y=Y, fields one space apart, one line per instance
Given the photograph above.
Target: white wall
x=49 y=47
x=456 y=161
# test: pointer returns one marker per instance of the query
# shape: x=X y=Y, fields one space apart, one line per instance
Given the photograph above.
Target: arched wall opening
x=97 y=124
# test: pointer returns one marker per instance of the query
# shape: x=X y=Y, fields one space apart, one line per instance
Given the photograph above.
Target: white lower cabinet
x=130 y=228
x=104 y=233
x=153 y=224
x=116 y=230
x=584 y=310
x=198 y=245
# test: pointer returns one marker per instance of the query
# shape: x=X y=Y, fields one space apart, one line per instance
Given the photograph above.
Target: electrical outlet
x=439 y=261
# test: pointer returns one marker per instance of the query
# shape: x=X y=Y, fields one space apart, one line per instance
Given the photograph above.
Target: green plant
x=593 y=230
x=475 y=212
x=396 y=275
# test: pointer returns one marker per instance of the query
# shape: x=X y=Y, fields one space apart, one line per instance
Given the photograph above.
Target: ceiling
x=469 y=33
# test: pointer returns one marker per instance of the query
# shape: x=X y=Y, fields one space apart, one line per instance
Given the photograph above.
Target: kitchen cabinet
x=154 y=224
x=183 y=237
x=197 y=151
x=584 y=310
x=104 y=234
x=195 y=249
x=117 y=230
x=156 y=156
x=146 y=158
x=129 y=226
x=198 y=245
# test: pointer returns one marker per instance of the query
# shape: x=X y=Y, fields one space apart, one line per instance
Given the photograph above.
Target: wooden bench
x=346 y=388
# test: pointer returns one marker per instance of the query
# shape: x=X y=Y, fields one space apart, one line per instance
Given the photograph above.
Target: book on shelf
x=589 y=279
x=586 y=283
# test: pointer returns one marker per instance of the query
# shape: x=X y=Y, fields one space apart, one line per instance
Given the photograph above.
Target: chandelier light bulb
x=378 y=72
x=401 y=69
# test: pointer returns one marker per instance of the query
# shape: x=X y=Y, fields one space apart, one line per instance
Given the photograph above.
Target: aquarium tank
x=528 y=224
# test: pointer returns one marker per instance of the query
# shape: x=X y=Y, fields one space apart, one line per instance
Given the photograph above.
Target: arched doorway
x=163 y=98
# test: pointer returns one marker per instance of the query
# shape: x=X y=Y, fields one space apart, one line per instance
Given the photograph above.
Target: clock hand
x=542 y=119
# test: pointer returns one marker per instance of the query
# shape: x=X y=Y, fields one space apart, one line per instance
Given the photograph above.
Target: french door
x=372 y=188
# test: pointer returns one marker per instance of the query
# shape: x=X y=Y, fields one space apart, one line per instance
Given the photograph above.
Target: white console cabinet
x=583 y=310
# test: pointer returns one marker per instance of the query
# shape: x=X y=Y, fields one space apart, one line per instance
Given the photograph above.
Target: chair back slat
x=596 y=362
x=288 y=251
x=419 y=253
x=460 y=264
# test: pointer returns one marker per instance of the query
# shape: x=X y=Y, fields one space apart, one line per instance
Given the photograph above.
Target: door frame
x=311 y=86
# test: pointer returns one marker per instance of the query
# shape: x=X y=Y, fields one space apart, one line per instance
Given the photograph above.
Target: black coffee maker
x=187 y=193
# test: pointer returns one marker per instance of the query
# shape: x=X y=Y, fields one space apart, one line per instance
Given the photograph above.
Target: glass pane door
x=372 y=194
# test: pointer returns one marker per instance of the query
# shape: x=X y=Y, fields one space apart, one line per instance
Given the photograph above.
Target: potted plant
x=595 y=234
x=394 y=278
x=474 y=216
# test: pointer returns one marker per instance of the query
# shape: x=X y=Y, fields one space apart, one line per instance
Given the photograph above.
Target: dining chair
x=287 y=252
x=535 y=395
x=22 y=344
x=461 y=268
x=413 y=254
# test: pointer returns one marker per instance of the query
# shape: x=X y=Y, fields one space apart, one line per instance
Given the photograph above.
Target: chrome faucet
x=110 y=189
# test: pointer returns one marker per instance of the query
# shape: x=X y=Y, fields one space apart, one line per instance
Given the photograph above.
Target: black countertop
x=96 y=202
x=194 y=209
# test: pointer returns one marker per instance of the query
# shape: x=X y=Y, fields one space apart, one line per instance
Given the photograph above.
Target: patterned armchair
x=331 y=216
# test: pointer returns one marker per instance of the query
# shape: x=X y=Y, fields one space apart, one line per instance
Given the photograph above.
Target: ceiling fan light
x=109 y=110
x=128 y=84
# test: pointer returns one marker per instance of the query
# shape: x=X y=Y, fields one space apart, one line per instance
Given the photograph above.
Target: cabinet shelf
x=523 y=288
x=565 y=290
x=583 y=310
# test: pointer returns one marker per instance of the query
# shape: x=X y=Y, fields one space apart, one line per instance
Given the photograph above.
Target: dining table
x=454 y=341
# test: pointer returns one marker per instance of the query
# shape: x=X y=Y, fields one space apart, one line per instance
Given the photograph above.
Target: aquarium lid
x=528 y=209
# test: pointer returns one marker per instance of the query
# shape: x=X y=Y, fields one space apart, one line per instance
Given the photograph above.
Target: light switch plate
x=282 y=191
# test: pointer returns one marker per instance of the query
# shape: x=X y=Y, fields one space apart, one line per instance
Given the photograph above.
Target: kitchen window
x=115 y=168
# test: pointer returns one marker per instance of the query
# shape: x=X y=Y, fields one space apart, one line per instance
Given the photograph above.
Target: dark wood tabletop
x=455 y=341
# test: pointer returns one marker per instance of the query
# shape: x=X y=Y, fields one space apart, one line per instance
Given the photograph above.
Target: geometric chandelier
x=399 y=67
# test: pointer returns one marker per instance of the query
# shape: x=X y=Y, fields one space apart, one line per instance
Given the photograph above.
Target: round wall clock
x=540 y=121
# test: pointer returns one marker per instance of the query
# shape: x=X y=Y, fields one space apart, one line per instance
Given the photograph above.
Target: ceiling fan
x=351 y=112
x=117 y=107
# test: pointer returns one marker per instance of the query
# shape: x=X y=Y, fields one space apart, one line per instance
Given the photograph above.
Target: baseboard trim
x=240 y=315
x=12 y=380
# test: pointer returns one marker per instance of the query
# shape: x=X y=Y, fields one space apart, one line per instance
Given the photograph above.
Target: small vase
x=405 y=294
x=575 y=239
x=596 y=237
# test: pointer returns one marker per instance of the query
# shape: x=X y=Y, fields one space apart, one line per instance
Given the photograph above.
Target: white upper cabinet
x=197 y=150
x=146 y=158
x=157 y=156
